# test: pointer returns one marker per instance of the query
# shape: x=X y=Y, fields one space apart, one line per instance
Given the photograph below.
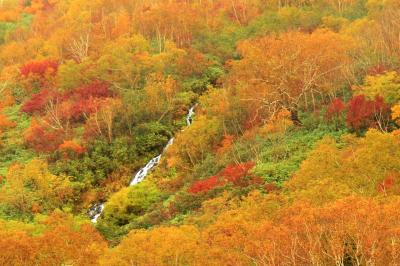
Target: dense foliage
x=293 y=156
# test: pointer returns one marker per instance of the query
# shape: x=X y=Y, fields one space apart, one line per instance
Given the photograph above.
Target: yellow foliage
x=192 y=144
x=278 y=123
x=167 y=246
x=386 y=85
x=34 y=184
x=359 y=168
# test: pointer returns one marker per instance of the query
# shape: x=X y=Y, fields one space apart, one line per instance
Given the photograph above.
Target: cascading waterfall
x=139 y=177
x=96 y=210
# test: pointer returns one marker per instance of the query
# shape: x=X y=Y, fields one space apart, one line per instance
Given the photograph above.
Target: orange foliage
x=36 y=208
x=168 y=19
x=62 y=242
x=69 y=145
x=8 y=100
x=352 y=229
x=5 y=122
x=287 y=71
x=35 y=6
x=193 y=63
x=278 y=123
x=9 y=15
x=225 y=144
x=17 y=248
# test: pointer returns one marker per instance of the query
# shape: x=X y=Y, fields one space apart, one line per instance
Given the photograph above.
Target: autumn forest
x=199 y=132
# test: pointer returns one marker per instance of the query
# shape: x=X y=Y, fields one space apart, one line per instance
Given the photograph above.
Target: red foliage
x=61 y=110
x=38 y=101
x=233 y=173
x=76 y=108
x=95 y=89
x=335 y=108
x=363 y=113
x=377 y=70
x=206 y=184
x=360 y=112
x=72 y=104
x=84 y=99
x=43 y=139
x=40 y=68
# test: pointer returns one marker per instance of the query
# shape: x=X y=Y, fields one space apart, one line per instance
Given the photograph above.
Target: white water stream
x=96 y=210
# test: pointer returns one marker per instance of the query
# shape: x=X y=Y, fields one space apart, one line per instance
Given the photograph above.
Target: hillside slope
x=277 y=123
